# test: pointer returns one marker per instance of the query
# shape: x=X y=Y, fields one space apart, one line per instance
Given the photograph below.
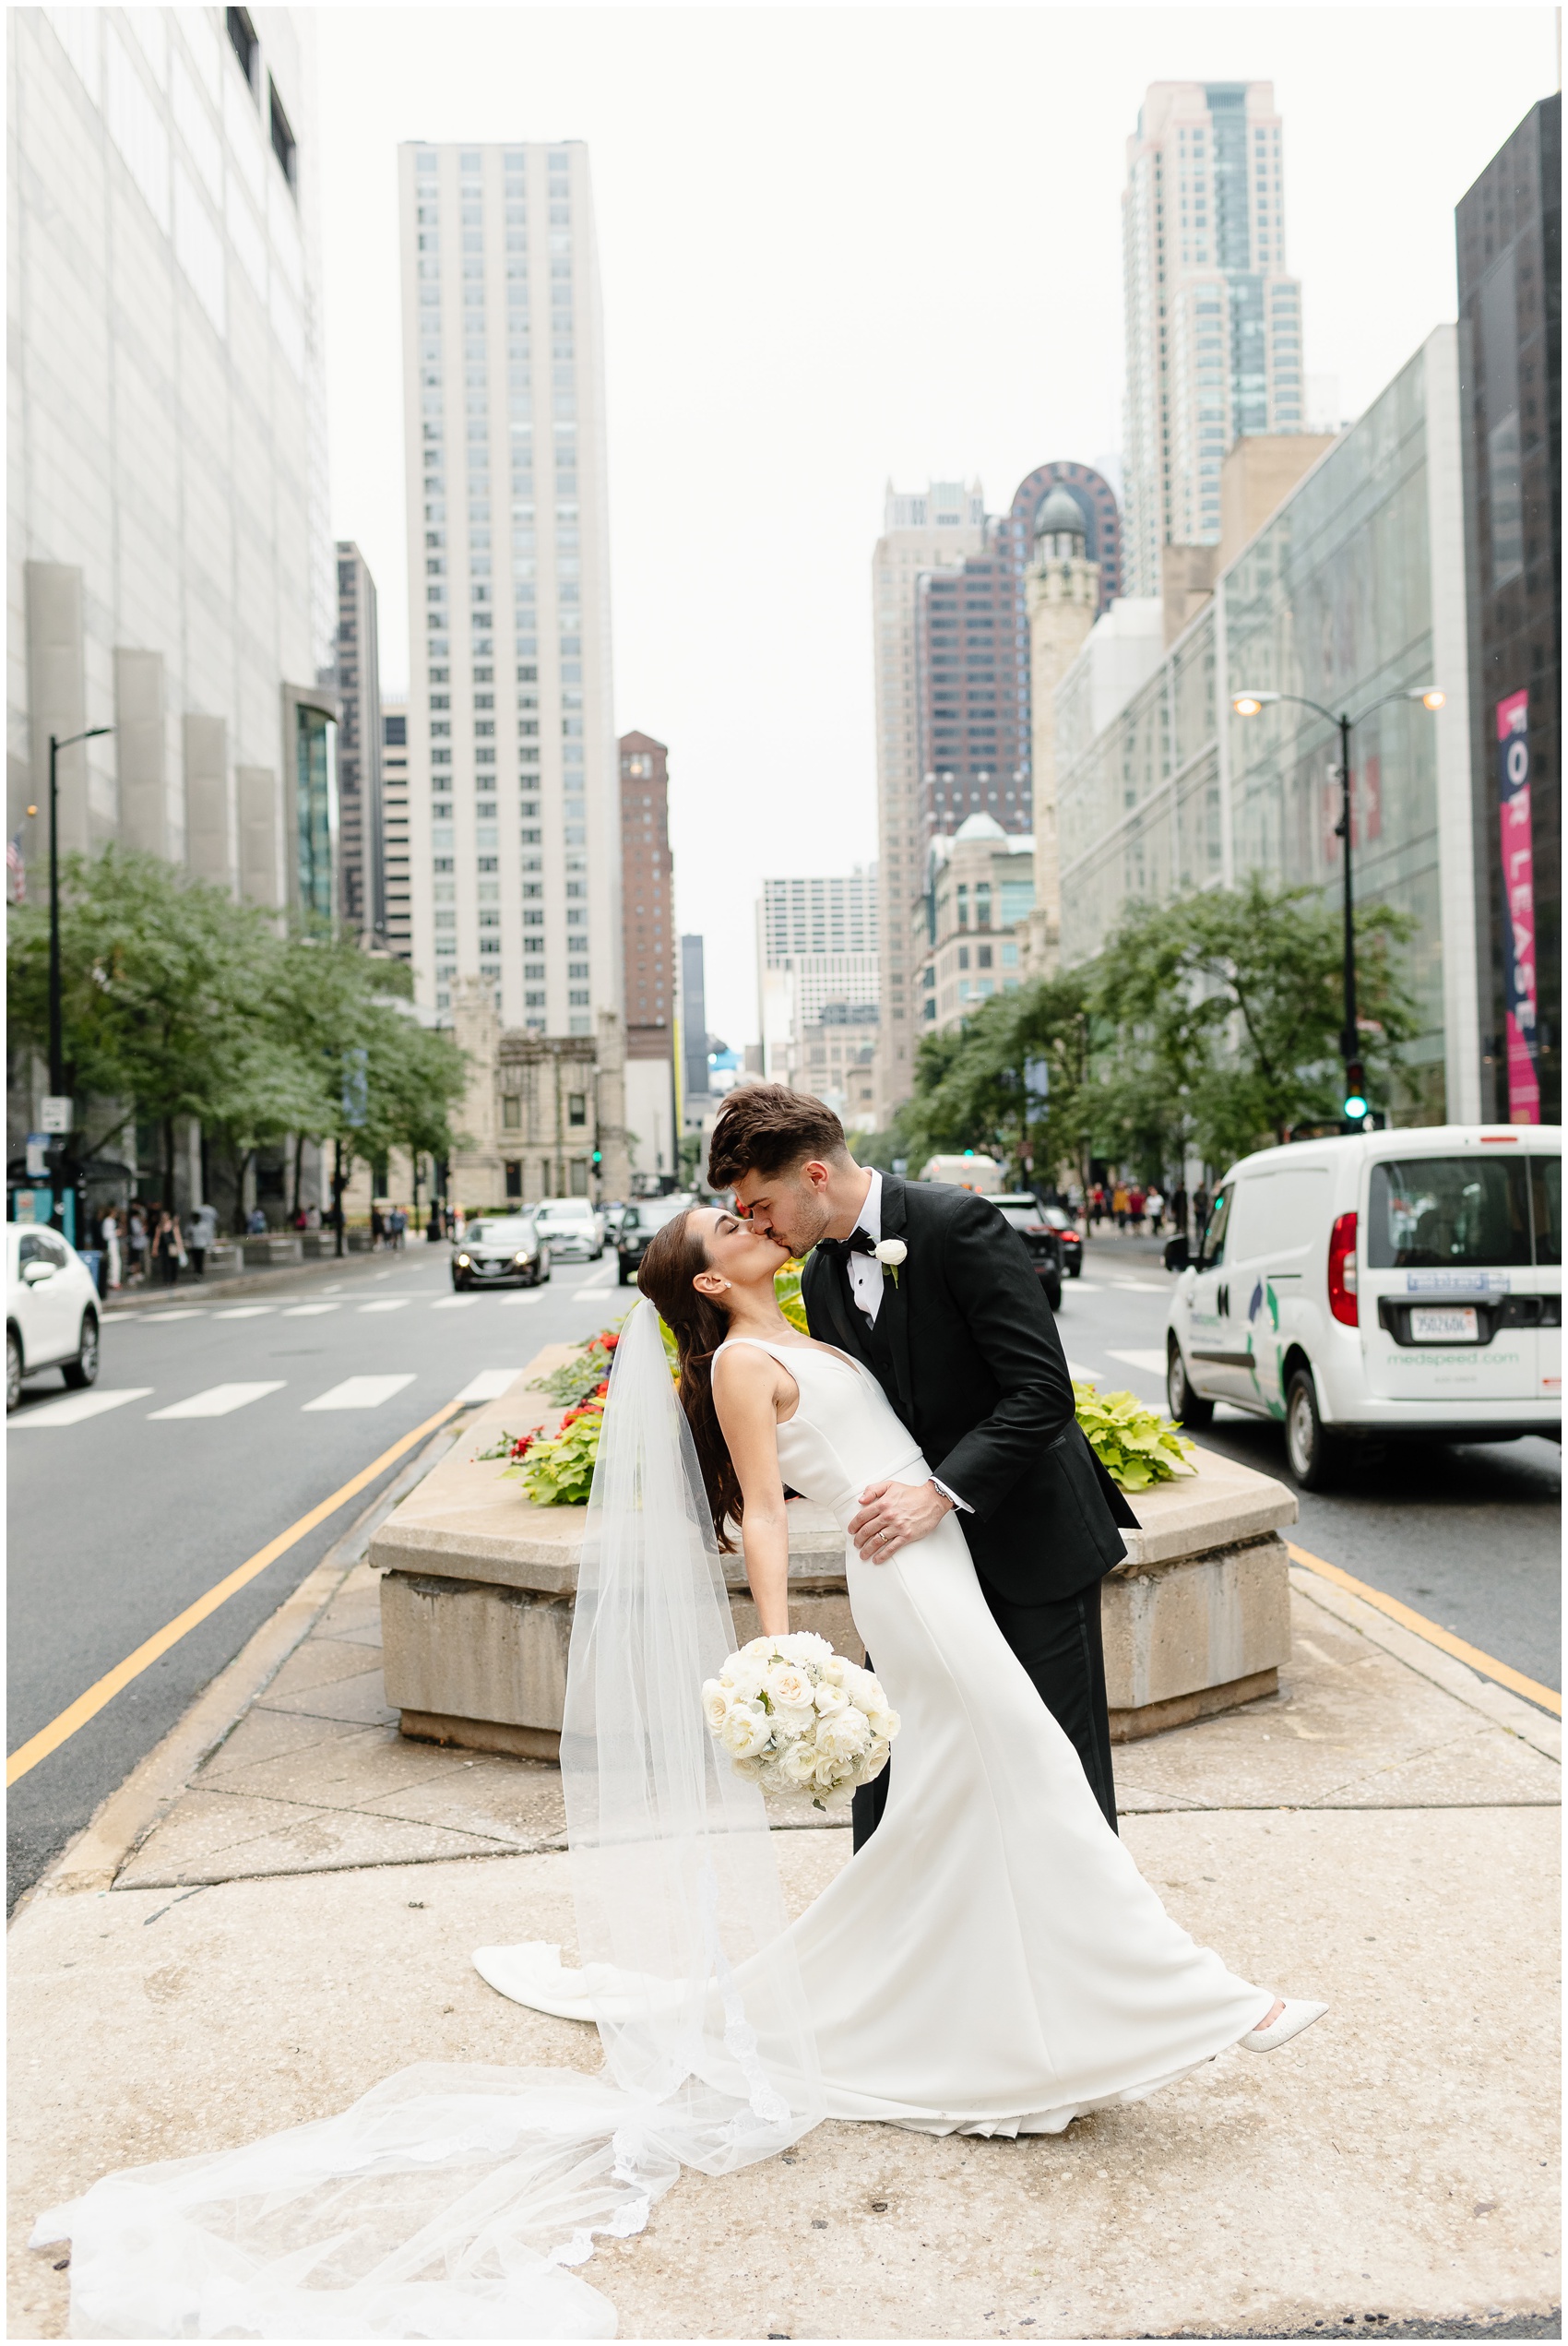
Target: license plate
x=1455 y=1325
x=488 y=1270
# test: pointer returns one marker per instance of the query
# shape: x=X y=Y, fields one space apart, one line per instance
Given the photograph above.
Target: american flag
x=16 y=871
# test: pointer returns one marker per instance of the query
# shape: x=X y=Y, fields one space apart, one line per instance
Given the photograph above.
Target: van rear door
x=1449 y=1300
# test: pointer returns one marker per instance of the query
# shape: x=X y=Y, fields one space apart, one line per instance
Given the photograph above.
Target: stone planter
x=223 y=1257
x=477 y=1588
x=277 y=1249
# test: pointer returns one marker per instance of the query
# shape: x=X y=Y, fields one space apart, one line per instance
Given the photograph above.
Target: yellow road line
x=88 y=1706
x=1487 y=1665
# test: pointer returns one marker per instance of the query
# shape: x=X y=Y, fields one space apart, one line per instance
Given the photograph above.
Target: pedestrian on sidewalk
x=1179 y=1210
x=203 y=1233
x=1136 y=1207
x=135 y=1226
x=1118 y=1205
x=256 y=1223
x=168 y=1248
x=377 y=1230
x=1200 y=1213
x=397 y=1223
x=109 y=1233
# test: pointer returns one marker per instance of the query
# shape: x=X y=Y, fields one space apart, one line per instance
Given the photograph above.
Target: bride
x=990 y=1962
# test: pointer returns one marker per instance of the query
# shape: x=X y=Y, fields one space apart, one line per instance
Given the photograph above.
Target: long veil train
x=451 y=2201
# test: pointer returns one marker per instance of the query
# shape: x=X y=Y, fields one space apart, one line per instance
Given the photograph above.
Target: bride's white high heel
x=1298 y=2015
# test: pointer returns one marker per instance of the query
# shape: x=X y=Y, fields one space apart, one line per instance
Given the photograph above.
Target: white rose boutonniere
x=890 y=1253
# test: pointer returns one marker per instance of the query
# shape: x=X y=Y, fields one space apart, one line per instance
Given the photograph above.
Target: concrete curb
x=1534 y=1727
x=92 y=1860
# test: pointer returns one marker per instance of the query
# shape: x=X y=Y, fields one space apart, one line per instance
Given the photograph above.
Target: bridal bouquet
x=795 y=1717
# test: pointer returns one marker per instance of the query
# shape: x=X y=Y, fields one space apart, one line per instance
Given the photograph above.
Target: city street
x=214 y=1427
x=1468 y=1536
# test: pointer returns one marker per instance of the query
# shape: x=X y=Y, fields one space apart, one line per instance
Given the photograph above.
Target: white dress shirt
x=866 y=1275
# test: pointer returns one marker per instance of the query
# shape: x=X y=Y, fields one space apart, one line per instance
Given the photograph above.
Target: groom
x=964 y=1345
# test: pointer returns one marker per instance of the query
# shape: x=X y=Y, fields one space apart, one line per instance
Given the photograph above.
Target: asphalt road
x=122 y=1518
x=1468 y=1535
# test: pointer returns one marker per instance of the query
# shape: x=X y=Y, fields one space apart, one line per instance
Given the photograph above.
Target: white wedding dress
x=991 y=1961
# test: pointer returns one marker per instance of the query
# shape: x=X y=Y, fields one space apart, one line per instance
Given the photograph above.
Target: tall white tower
x=928 y=529
x=1214 y=323
x=514 y=833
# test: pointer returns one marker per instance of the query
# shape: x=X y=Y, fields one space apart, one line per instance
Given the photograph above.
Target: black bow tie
x=838 y=1250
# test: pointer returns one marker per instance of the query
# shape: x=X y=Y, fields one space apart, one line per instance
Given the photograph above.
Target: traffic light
x=598 y=1159
x=1357 y=1106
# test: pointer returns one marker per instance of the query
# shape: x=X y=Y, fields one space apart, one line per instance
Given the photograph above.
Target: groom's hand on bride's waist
x=894 y=1515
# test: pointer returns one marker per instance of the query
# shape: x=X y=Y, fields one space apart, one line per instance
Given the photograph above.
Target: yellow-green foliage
x=1136 y=1446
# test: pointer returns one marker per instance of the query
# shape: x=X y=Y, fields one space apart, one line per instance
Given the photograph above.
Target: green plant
x=786 y=1288
x=1136 y=1446
x=556 y=1470
x=585 y=1374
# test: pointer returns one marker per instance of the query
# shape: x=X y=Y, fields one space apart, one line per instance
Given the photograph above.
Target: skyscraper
x=932 y=528
x=171 y=563
x=361 y=871
x=513 y=789
x=395 y=822
x=1213 y=321
x=648 y=953
x=694 y=1025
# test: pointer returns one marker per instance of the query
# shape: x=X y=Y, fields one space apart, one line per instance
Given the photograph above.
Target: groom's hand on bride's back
x=893 y=1516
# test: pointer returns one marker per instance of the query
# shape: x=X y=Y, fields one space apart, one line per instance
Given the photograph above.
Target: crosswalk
x=224 y=1400
x=602 y=1283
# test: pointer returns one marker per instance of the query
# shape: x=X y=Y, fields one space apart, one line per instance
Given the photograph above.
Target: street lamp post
x=1248 y=703
x=56 y=1026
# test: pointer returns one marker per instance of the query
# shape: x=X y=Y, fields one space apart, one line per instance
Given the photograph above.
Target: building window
x=283 y=139
x=576 y=1107
x=241 y=36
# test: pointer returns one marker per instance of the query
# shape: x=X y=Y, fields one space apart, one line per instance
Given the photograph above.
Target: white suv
x=1383 y=1284
x=51 y=1309
x=572 y=1227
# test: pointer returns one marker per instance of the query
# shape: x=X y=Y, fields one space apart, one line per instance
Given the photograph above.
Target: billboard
x=1518 y=907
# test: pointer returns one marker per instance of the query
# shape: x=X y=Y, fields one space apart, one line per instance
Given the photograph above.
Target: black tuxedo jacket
x=975 y=1369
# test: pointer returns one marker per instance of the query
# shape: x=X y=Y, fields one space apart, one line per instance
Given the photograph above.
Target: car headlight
x=463 y=1262
x=521 y=1259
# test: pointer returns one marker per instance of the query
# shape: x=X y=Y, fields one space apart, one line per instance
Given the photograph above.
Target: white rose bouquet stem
x=795 y=1717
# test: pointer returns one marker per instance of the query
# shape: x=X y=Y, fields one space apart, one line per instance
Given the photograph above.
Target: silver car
x=572 y=1226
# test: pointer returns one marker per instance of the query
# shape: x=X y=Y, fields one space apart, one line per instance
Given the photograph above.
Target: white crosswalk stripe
x=490 y=1384
x=598 y=1286
x=385 y=1303
x=245 y=1311
x=308 y=1311
x=516 y=1299
x=1152 y=1362
x=75 y=1406
x=1084 y=1375
x=360 y=1393
x=188 y=1311
x=220 y=1400
x=454 y=1303
x=1142 y=1286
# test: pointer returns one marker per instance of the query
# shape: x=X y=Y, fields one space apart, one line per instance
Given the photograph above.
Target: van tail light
x=1342 y=1270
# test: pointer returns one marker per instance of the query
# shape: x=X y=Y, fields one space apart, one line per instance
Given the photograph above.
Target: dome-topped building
x=1060 y=528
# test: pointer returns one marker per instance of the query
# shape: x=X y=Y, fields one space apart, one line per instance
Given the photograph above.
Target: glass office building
x=1353 y=588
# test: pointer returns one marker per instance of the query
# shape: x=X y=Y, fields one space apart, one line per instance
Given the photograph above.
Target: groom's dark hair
x=768 y=1128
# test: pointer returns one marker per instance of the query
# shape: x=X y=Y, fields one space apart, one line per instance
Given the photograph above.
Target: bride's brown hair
x=676 y=1255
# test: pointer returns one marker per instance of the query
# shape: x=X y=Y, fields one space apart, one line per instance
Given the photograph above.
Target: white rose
x=791 y=1724
x=844 y=1736
x=797 y=1765
x=829 y=1776
x=873 y=1761
x=755 y=1770
x=759 y=1649
x=891 y=1251
x=803 y=1646
x=787 y=1687
x=884 y=1724
x=745 y=1729
x=743 y=1677
x=834 y=1669
x=715 y=1703
x=865 y=1692
x=830 y=1698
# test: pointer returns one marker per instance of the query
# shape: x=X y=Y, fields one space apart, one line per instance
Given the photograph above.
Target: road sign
x=55 y=1116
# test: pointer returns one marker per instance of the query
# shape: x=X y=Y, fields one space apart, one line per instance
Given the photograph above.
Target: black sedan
x=641 y=1219
x=1071 y=1236
x=504 y=1247
x=1027 y=1216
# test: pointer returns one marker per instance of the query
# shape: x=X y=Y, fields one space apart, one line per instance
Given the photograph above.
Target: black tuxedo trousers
x=966 y=1348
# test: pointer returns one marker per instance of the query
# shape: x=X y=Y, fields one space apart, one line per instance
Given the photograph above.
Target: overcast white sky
x=845 y=243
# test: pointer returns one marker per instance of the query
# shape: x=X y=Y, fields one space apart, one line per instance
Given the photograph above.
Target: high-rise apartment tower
x=361 y=871
x=648 y=953
x=1213 y=320
x=395 y=822
x=513 y=789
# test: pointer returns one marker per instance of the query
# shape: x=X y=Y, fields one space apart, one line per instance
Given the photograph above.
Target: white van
x=971 y=1171
x=1386 y=1284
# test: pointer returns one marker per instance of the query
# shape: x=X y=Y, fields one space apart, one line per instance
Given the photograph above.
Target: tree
x=1219 y=1019
x=973 y=1087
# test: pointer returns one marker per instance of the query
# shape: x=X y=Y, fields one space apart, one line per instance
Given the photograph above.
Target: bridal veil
x=453 y=2202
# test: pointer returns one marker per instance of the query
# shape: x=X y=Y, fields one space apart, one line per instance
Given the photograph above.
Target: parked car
x=1072 y=1238
x=1027 y=1216
x=499 y=1247
x=50 y=1310
x=1382 y=1285
x=639 y=1224
x=572 y=1227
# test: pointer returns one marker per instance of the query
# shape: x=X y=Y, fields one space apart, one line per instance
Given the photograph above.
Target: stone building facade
x=543 y=1115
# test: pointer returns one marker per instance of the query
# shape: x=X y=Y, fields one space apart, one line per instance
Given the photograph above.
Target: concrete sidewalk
x=252 y=1935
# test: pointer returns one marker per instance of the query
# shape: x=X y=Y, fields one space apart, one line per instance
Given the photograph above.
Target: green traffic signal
x=1356 y=1108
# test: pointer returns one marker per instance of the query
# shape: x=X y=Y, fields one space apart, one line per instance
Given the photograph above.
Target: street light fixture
x=1248 y=703
x=56 y=1033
